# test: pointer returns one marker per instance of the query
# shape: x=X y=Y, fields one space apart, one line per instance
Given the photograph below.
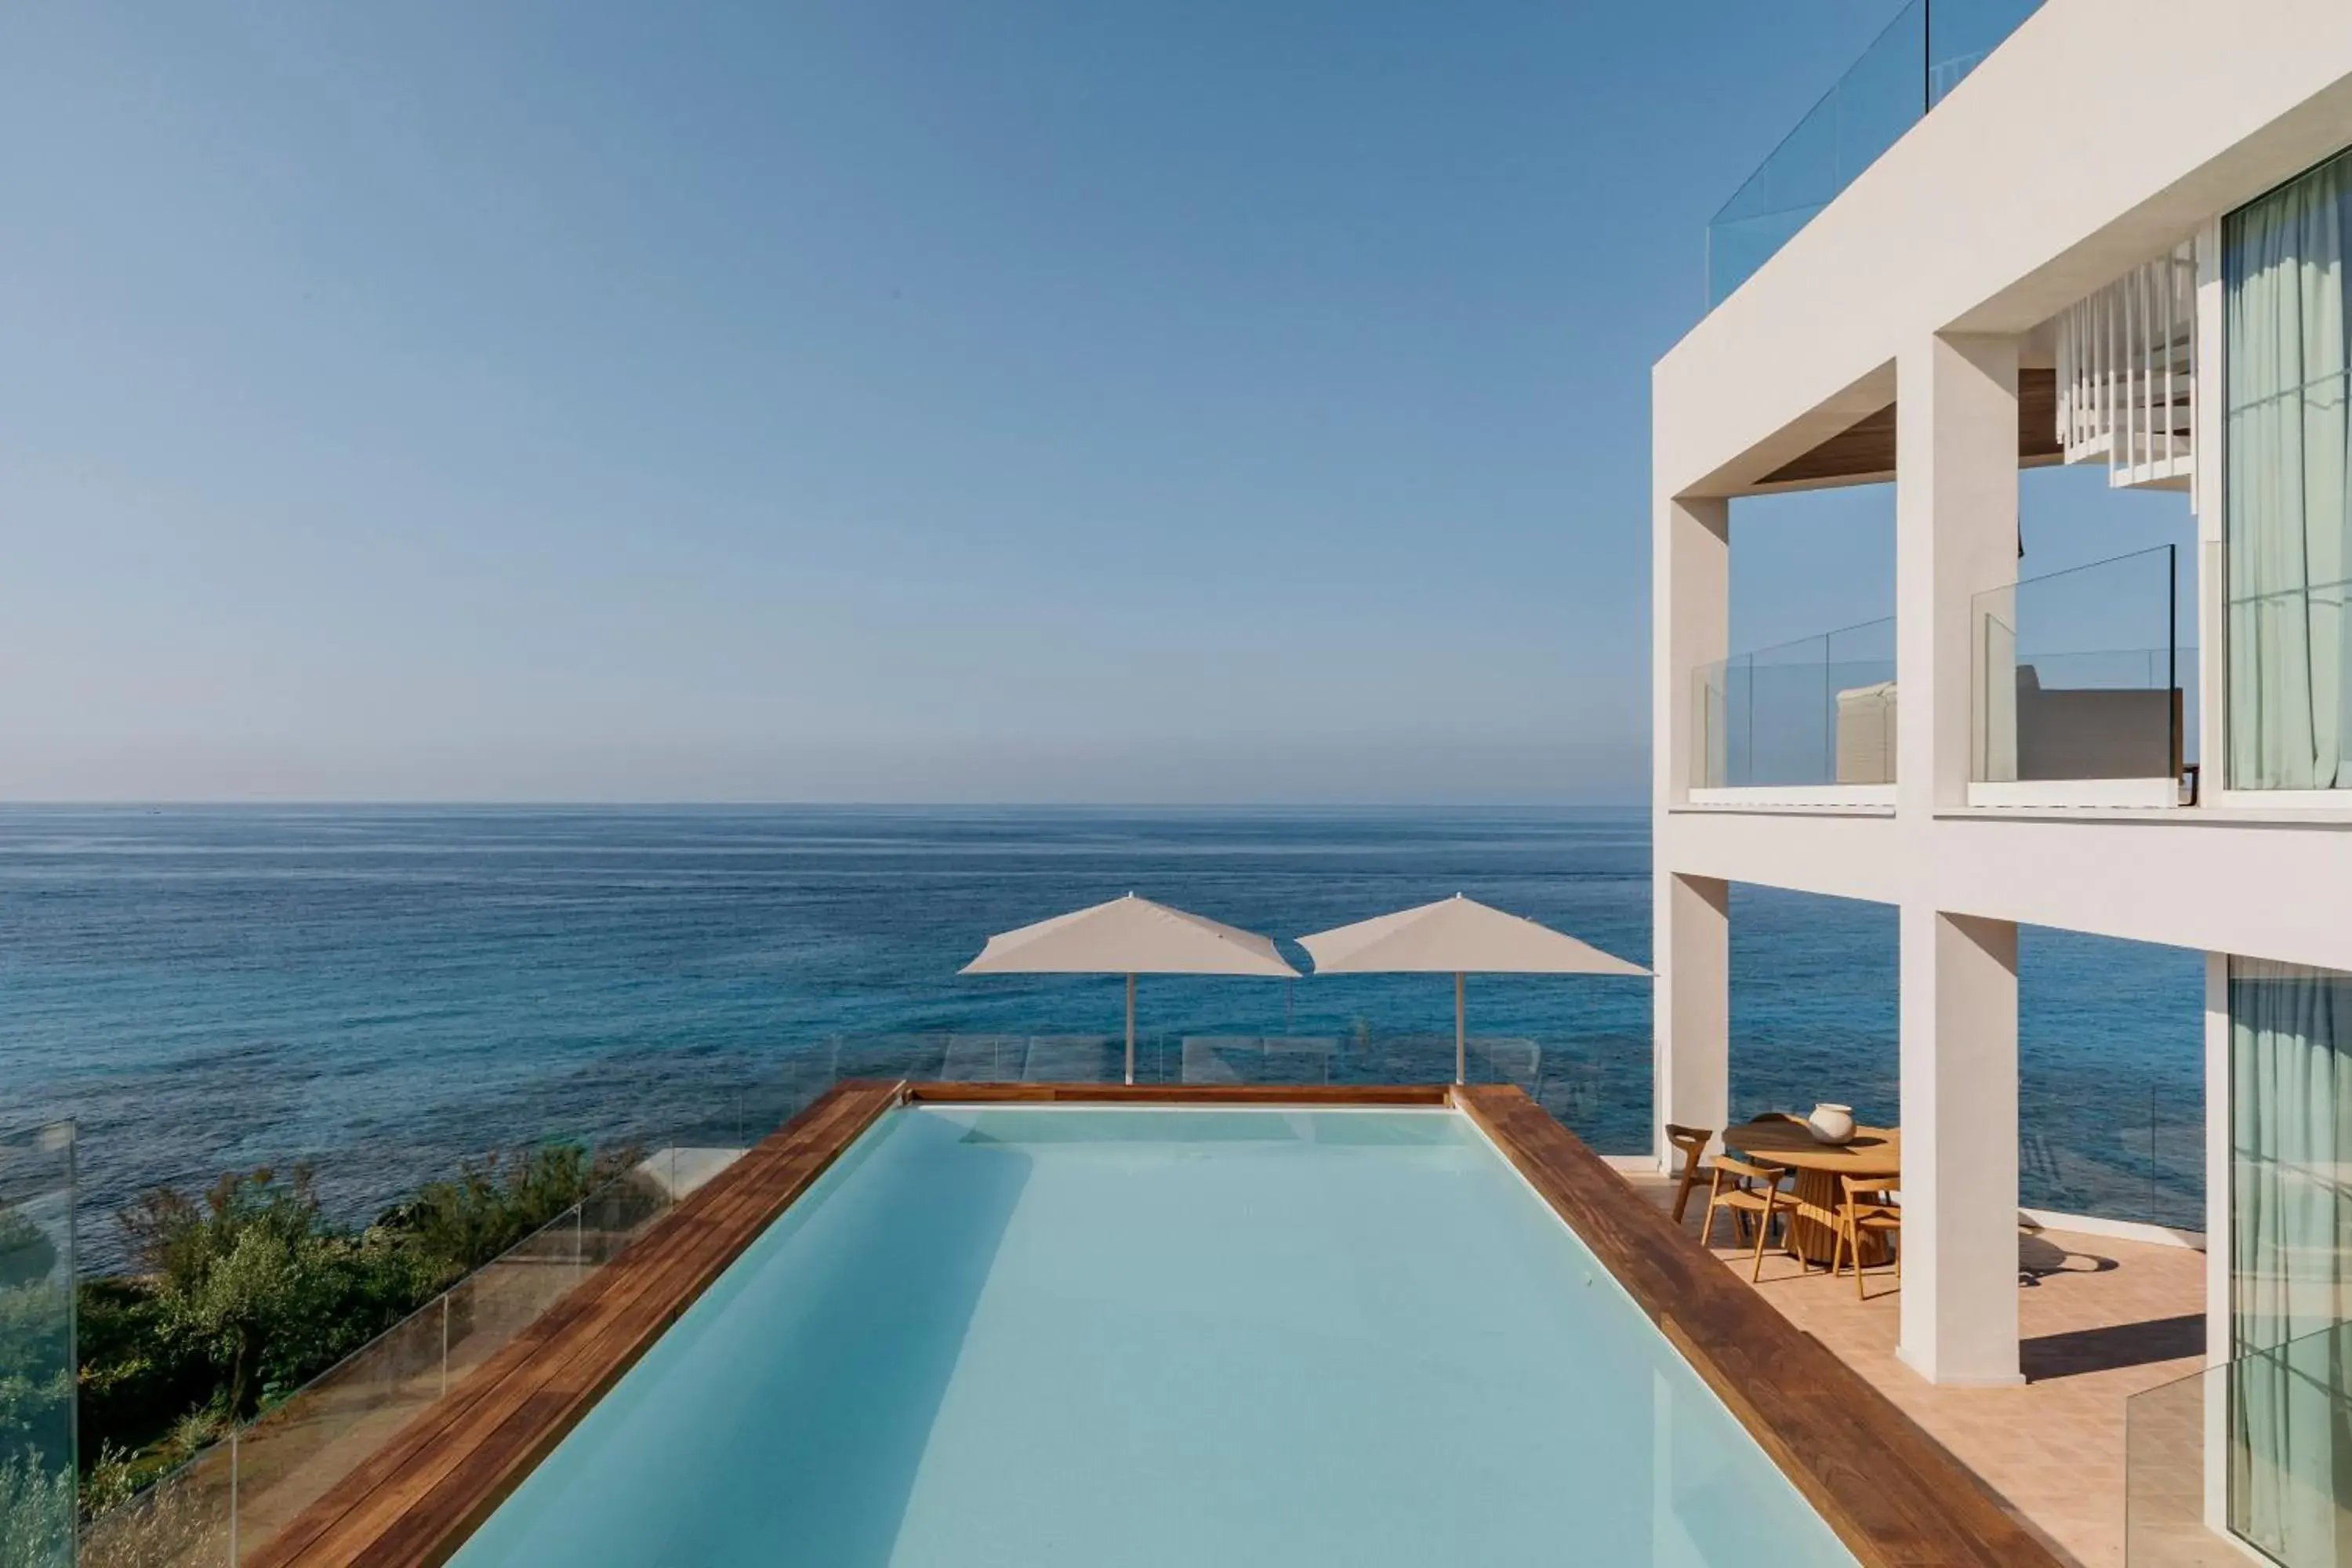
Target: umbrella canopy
x=1456 y=936
x=1129 y=936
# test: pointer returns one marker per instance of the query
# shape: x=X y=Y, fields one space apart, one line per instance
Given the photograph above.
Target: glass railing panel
x=1881 y=96
x=2166 y=1484
x=614 y=1217
x=1782 y=716
x=2116 y=1145
x=490 y=1307
x=1923 y=54
x=1961 y=33
x=1599 y=1087
x=1860 y=678
x=2256 y=1452
x=1820 y=710
x=185 y=1520
x=289 y=1456
x=1710 y=713
x=1884 y=93
x=232 y=1497
x=1256 y=1058
x=2082 y=675
x=983 y=1058
x=911 y=1057
x=36 y=1348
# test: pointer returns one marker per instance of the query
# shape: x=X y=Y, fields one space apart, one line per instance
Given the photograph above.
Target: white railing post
x=2127 y=373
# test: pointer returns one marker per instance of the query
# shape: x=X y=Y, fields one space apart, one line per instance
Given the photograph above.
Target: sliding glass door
x=2290 y=1409
x=2287 y=510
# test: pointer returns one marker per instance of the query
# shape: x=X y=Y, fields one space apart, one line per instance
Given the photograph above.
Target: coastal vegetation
x=240 y=1295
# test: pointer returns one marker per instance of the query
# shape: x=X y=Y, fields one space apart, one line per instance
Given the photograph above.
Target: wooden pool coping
x=1892 y=1495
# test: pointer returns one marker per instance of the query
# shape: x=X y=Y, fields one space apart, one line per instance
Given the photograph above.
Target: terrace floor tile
x=2100 y=1319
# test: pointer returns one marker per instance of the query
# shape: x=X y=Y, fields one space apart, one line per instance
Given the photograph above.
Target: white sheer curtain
x=2287 y=505
x=2291 y=1259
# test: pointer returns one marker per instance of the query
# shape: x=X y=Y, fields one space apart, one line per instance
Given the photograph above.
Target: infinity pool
x=1089 y=1337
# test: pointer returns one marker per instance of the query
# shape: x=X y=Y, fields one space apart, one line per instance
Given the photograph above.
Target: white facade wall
x=2102 y=133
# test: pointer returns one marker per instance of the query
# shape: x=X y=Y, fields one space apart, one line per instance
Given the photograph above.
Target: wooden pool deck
x=1894 y=1497
x=417 y=1500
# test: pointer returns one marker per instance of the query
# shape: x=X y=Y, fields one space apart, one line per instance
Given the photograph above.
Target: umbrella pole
x=1460 y=1040
x=1131 y=1028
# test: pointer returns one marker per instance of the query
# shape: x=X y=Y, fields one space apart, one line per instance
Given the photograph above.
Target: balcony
x=1925 y=52
x=1810 y=722
x=2078 y=696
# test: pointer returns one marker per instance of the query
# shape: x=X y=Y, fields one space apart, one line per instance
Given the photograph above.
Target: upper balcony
x=2083 y=691
x=1806 y=724
x=1920 y=57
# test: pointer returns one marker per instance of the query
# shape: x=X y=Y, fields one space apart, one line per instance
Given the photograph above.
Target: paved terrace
x=2102 y=1320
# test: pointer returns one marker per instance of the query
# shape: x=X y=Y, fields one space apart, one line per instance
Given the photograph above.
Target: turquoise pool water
x=1045 y=1337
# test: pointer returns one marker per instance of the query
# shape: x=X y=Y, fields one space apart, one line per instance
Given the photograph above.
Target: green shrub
x=461 y=1225
x=26 y=1253
x=36 y=1501
x=251 y=1291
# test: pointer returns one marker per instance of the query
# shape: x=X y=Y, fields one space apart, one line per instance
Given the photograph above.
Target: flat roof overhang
x=2012 y=201
x=1864 y=452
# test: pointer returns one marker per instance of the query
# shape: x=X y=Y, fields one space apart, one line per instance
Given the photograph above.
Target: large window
x=2291 y=1259
x=2287 y=510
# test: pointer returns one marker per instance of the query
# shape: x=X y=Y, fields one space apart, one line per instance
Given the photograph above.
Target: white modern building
x=2119 y=234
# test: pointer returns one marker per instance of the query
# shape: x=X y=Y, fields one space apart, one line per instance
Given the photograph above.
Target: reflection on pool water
x=1047 y=1336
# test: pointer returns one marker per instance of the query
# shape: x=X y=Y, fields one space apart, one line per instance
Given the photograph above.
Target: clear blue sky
x=1052 y=401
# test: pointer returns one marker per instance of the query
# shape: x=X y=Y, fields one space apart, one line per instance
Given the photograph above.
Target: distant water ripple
x=385 y=990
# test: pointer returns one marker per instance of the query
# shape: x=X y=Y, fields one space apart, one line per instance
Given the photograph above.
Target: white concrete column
x=1956 y=536
x=1959 y=1148
x=1690 y=626
x=1692 y=1085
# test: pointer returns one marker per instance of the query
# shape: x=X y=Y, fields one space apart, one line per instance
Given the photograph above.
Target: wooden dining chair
x=1867 y=1205
x=1749 y=1191
x=1693 y=1143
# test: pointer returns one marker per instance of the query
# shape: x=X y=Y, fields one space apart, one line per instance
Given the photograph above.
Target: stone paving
x=2102 y=1320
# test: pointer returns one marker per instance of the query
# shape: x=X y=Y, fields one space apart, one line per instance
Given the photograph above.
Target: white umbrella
x=1129 y=936
x=1458 y=936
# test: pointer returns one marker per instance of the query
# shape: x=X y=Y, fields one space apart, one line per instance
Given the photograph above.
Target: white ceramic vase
x=1831 y=1124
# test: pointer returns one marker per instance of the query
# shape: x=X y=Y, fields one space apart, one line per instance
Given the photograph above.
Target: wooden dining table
x=1811 y=1232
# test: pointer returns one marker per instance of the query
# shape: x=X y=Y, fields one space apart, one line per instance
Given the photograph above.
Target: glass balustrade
x=1961 y=33
x=36 y=1348
x=2079 y=675
x=1817 y=711
x=228 y=1503
x=2117 y=1144
x=2252 y=1452
x=1912 y=66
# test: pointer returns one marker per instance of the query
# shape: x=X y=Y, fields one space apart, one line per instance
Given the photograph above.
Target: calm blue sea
x=383 y=991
